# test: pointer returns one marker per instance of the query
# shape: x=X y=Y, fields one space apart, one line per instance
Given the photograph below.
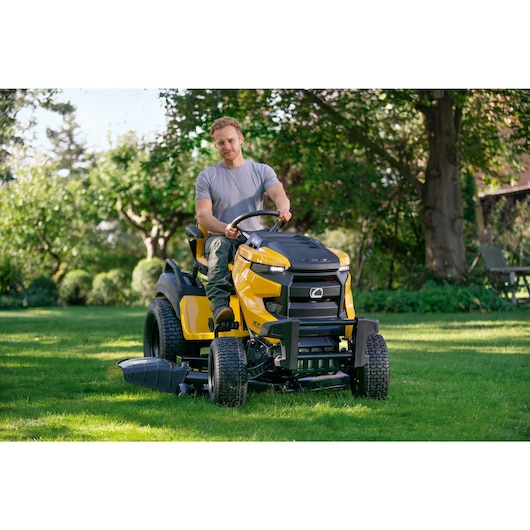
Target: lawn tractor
x=295 y=326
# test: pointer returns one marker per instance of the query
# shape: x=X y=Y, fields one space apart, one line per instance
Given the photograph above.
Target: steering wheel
x=257 y=213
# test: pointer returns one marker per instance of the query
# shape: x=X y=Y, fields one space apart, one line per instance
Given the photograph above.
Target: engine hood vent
x=304 y=253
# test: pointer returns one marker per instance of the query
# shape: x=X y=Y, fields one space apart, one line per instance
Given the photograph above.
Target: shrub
x=42 y=292
x=11 y=302
x=145 y=277
x=433 y=297
x=121 y=280
x=110 y=288
x=10 y=277
x=11 y=286
x=75 y=287
x=102 y=288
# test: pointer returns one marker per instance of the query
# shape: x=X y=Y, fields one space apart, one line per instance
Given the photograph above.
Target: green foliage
x=118 y=248
x=12 y=101
x=372 y=265
x=11 y=283
x=509 y=228
x=48 y=216
x=433 y=297
x=10 y=276
x=150 y=186
x=103 y=290
x=110 y=288
x=68 y=153
x=42 y=292
x=145 y=277
x=122 y=280
x=11 y=302
x=75 y=287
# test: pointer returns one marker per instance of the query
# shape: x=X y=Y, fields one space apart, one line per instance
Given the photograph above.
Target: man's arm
x=203 y=211
x=282 y=202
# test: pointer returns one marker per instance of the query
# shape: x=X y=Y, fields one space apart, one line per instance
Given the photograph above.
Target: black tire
x=163 y=335
x=227 y=372
x=373 y=379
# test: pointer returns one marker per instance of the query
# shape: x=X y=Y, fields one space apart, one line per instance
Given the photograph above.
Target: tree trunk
x=155 y=243
x=154 y=239
x=443 y=217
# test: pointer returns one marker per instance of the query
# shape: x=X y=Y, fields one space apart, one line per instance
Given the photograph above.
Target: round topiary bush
x=110 y=288
x=75 y=287
x=121 y=282
x=145 y=277
x=42 y=292
x=102 y=289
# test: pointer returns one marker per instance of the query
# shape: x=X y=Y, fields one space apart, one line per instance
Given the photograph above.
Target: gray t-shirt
x=236 y=191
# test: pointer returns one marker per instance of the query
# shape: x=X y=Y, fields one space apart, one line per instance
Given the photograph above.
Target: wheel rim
x=155 y=340
x=211 y=376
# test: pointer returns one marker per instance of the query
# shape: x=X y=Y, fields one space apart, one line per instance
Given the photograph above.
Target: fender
x=173 y=284
x=365 y=327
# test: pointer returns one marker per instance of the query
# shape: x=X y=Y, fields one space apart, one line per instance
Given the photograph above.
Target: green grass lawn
x=458 y=377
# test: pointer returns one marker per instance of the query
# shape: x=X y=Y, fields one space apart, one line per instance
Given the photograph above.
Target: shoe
x=223 y=314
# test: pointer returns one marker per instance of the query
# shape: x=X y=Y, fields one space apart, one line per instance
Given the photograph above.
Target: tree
x=12 y=101
x=47 y=208
x=45 y=219
x=150 y=186
x=68 y=152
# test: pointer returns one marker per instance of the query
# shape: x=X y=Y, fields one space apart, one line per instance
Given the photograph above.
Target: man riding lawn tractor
x=276 y=311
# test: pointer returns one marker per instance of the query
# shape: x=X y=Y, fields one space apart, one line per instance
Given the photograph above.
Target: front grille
x=309 y=296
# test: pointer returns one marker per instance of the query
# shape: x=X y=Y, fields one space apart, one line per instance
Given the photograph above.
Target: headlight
x=260 y=268
x=344 y=268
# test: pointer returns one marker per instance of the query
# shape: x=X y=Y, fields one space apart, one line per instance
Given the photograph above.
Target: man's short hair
x=226 y=121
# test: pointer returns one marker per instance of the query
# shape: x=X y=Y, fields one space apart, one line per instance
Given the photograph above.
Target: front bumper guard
x=288 y=331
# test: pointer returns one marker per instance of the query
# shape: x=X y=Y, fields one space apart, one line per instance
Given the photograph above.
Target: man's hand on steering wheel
x=284 y=215
x=232 y=232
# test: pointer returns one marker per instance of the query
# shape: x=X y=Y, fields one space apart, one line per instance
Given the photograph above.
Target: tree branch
x=357 y=136
x=136 y=221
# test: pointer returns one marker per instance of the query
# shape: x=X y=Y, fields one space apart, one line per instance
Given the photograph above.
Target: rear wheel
x=373 y=379
x=163 y=335
x=227 y=372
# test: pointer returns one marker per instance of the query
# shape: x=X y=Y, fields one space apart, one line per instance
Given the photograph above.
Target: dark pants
x=220 y=251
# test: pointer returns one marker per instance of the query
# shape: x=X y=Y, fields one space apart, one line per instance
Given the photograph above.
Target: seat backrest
x=493 y=257
x=201 y=241
x=197 y=239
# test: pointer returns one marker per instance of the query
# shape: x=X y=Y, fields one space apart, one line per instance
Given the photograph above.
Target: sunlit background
x=103 y=115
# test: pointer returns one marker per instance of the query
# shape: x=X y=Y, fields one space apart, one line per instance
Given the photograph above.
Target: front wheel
x=227 y=372
x=373 y=379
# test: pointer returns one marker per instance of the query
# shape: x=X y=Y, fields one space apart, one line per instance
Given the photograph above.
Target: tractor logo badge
x=316 y=292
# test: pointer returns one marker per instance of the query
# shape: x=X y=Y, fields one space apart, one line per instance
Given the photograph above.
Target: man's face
x=228 y=142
